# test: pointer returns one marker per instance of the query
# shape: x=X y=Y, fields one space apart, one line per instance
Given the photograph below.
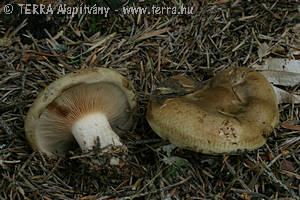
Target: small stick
x=152 y=34
x=273 y=177
x=144 y=141
x=5 y=127
x=158 y=190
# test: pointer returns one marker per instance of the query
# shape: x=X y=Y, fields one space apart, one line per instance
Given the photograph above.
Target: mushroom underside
x=100 y=109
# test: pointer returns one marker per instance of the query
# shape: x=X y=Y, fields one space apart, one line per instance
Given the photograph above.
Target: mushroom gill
x=90 y=106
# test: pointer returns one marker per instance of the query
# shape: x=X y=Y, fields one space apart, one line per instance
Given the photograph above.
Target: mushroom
x=90 y=105
x=235 y=110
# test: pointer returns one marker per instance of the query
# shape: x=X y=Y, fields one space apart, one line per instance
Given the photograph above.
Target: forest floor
x=36 y=49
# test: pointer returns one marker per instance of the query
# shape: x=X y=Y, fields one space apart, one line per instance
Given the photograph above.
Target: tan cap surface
x=235 y=110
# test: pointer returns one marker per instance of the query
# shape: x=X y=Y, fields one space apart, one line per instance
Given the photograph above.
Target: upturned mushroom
x=235 y=110
x=90 y=106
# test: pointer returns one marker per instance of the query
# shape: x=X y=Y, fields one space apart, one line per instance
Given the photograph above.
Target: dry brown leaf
x=288 y=173
x=152 y=34
x=279 y=64
x=287 y=165
x=286 y=97
x=218 y=2
x=282 y=78
x=284 y=72
x=291 y=127
x=92 y=59
x=25 y=57
x=263 y=50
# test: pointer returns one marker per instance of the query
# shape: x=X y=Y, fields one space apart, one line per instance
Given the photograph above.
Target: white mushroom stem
x=88 y=129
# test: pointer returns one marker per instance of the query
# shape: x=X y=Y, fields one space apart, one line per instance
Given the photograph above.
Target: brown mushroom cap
x=102 y=92
x=235 y=110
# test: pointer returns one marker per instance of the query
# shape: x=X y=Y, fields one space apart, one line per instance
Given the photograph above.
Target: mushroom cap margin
x=57 y=87
x=187 y=124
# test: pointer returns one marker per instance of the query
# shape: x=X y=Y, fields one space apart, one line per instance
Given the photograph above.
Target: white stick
x=88 y=129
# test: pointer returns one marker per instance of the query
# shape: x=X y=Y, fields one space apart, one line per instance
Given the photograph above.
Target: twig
x=151 y=181
x=144 y=141
x=272 y=176
x=165 y=188
x=152 y=34
x=232 y=171
x=152 y=192
x=5 y=127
